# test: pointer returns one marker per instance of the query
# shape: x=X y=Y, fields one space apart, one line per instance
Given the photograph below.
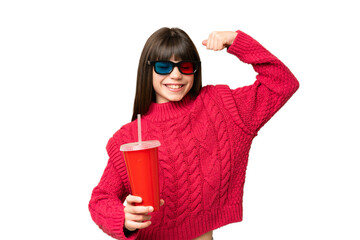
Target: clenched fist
x=219 y=40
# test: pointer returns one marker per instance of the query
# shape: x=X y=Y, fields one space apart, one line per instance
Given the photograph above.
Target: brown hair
x=162 y=45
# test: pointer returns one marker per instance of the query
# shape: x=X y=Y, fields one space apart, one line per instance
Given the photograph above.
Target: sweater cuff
x=121 y=232
x=248 y=50
x=240 y=45
x=129 y=233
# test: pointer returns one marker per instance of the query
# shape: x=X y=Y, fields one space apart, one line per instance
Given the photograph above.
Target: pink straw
x=139 y=127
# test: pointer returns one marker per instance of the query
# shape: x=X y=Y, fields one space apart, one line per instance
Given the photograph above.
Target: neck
x=169 y=110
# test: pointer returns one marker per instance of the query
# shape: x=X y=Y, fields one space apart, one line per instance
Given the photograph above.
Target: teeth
x=174 y=86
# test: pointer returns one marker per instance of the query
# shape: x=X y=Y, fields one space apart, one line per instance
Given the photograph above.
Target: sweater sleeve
x=254 y=105
x=106 y=203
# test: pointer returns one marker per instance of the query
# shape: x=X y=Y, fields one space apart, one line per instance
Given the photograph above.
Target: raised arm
x=274 y=85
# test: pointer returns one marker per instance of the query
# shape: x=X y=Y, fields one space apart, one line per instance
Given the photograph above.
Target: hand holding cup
x=137 y=217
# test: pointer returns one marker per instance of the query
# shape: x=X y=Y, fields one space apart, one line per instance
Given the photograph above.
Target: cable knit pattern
x=205 y=144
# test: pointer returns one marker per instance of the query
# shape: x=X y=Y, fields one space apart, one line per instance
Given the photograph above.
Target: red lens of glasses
x=187 y=67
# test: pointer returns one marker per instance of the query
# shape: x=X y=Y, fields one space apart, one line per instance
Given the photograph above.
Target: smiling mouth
x=174 y=86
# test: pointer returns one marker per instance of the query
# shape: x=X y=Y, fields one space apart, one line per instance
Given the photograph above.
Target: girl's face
x=173 y=86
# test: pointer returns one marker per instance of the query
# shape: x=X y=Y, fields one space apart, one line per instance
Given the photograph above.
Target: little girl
x=205 y=135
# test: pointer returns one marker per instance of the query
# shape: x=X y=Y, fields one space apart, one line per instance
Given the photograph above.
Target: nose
x=176 y=74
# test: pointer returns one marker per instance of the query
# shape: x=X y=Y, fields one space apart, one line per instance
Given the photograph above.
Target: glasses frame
x=173 y=64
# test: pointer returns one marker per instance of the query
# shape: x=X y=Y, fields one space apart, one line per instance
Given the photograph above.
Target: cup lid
x=136 y=146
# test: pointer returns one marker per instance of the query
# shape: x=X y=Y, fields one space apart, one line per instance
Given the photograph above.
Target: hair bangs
x=174 y=47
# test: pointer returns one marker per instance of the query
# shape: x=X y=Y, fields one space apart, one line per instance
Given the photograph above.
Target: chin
x=176 y=99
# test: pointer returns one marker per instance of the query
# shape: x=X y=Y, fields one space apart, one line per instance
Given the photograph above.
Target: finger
x=133 y=199
x=136 y=225
x=213 y=41
x=138 y=209
x=204 y=42
x=216 y=45
x=137 y=218
x=162 y=202
x=219 y=42
x=209 y=43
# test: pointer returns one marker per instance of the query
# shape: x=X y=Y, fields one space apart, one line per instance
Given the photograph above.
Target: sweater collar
x=170 y=110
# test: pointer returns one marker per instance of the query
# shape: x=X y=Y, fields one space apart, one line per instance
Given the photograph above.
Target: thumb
x=204 y=42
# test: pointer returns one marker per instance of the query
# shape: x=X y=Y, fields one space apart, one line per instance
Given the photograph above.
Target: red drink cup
x=142 y=166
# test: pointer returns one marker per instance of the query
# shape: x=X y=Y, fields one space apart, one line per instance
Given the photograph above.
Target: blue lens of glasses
x=163 y=67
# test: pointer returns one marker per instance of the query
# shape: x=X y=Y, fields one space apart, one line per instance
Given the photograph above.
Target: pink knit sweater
x=204 y=150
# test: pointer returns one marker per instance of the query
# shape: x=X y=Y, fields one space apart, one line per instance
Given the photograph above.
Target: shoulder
x=217 y=98
x=124 y=135
x=215 y=92
x=221 y=98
